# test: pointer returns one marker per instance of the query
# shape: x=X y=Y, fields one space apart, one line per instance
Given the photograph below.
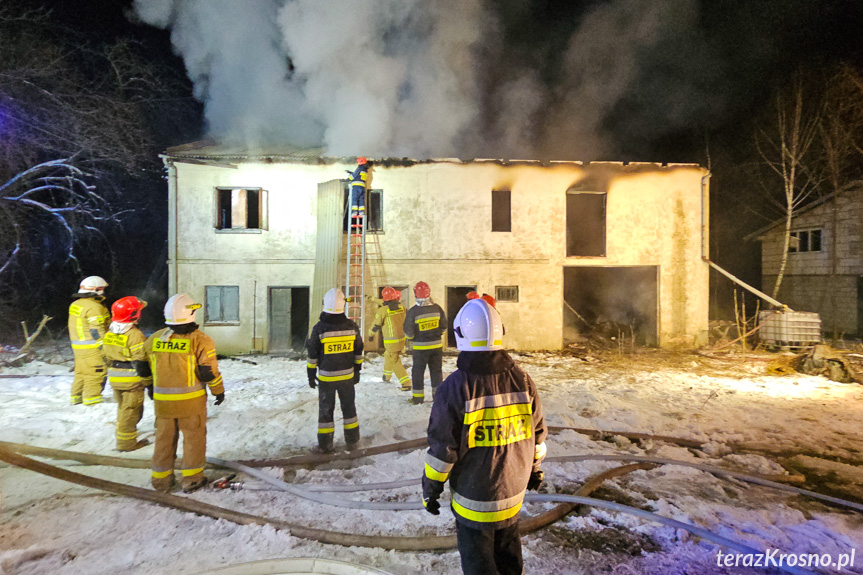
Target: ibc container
x=790 y=328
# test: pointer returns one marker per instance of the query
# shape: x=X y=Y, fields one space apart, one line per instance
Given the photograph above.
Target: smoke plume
x=420 y=78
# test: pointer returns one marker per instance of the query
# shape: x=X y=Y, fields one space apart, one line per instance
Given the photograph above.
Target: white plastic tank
x=790 y=328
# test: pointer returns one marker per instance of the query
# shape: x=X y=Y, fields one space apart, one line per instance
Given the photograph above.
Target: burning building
x=565 y=247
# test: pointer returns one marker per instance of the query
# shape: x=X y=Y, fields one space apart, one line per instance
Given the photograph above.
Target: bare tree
x=786 y=148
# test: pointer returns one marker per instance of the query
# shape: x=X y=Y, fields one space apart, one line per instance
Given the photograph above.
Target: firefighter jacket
x=335 y=349
x=425 y=325
x=484 y=429
x=123 y=347
x=390 y=318
x=360 y=179
x=88 y=321
x=182 y=361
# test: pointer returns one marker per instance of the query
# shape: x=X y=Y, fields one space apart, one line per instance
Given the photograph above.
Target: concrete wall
x=437 y=228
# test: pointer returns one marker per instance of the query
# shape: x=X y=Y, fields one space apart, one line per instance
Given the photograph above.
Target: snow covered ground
x=48 y=526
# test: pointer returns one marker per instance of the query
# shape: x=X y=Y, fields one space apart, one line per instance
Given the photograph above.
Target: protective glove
x=220 y=397
x=356 y=376
x=535 y=480
x=150 y=391
x=431 y=504
x=312 y=383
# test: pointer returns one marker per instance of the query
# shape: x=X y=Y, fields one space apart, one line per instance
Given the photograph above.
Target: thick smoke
x=427 y=78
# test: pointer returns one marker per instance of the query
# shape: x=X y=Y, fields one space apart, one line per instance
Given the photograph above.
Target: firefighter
x=335 y=350
x=425 y=324
x=182 y=363
x=360 y=180
x=88 y=322
x=123 y=348
x=390 y=318
x=486 y=436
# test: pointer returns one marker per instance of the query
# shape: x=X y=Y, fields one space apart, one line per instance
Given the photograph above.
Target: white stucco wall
x=437 y=228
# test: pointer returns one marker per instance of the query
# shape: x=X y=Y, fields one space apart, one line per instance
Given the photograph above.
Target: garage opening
x=456 y=297
x=611 y=302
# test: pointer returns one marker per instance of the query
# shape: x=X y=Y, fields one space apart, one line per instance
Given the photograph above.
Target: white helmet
x=180 y=309
x=478 y=327
x=334 y=301
x=92 y=284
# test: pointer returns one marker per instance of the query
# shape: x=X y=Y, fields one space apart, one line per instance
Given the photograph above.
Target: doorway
x=614 y=303
x=288 y=318
x=456 y=297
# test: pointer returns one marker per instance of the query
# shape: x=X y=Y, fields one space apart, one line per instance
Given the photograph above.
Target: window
x=585 y=224
x=805 y=241
x=222 y=304
x=374 y=210
x=501 y=211
x=506 y=293
x=241 y=208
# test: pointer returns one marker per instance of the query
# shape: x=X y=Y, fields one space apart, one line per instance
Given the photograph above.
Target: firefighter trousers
x=393 y=364
x=491 y=552
x=327 y=391
x=168 y=429
x=434 y=359
x=130 y=410
x=90 y=373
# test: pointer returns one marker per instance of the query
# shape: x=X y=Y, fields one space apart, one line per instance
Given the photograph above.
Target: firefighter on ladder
x=360 y=181
x=486 y=436
x=425 y=323
x=390 y=319
x=182 y=363
x=88 y=322
x=124 y=349
x=335 y=358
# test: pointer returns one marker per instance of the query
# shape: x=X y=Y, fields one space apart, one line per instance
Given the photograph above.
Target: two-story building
x=824 y=270
x=259 y=237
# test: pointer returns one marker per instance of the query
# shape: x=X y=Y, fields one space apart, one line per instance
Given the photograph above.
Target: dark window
x=374 y=210
x=222 y=304
x=803 y=241
x=501 y=211
x=506 y=293
x=239 y=208
x=585 y=224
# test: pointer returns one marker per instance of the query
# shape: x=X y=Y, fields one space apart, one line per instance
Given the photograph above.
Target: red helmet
x=390 y=294
x=422 y=290
x=127 y=309
x=361 y=160
x=491 y=301
x=472 y=295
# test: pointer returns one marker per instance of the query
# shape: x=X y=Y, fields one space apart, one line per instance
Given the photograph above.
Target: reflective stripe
x=487 y=511
x=123 y=379
x=137 y=346
x=353 y=425
x=121 y=372
x=86 y=343
x=329 y=427
x=427 y=345
x=344 y=332
x=190 y=472
x=177 y=393
x=435 y=475
x=483 y=343
x=419 y=394
x=438 y=465
x=358 y=359
x=127 y=435
x=312 y=363
x=387 y=373
x=92 y=400
x=394 y=340
x=404 y=379
x=340 y=338
x=211 y=353
x=501 y=412
x=162 y=474
x=496 y=400
x=341 y=375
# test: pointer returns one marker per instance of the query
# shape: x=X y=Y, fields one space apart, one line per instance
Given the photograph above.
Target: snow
x=49 y=526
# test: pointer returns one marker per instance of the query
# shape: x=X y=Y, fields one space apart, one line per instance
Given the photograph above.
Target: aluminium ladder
x=355 y=268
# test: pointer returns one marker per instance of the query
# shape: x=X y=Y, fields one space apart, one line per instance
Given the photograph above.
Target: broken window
x=585 y=224
x=805 y=241
x=222 y=304
x=240 y=208
x=506 y=293
x=501 y=211
x=374 y=210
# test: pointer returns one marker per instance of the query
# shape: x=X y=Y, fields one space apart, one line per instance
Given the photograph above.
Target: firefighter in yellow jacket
x=123 y=348
x=182 y=362
x=88 y=321
x=390 y=319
